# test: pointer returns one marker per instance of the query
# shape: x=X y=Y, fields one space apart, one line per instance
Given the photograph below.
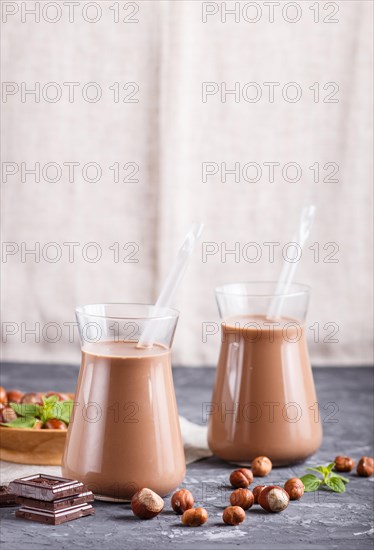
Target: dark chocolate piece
x=57 y=517
x=45 y=487
x=58 y=504
x=7 y=498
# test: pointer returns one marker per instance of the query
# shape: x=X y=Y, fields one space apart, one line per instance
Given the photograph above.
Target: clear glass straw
x=172 y=282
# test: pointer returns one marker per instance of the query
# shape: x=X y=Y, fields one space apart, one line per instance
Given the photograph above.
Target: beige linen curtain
x=170 y=139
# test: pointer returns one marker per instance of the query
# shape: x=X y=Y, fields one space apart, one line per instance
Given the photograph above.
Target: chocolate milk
x=264 y=400
x=125 y=432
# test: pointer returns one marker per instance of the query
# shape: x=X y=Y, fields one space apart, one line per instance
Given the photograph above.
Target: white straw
x=171 y=284
x=289 y=268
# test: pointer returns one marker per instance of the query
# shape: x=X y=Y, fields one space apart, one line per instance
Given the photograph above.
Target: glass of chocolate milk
x=264 y=401
x=125 y=434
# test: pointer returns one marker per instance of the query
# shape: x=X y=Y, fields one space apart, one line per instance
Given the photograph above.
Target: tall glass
x=264 y=400
x=125 y=434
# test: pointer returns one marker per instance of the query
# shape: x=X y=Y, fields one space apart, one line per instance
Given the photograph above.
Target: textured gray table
x=319 y=520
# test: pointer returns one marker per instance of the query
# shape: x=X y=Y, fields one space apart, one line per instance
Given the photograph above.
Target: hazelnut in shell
x=14 y=396
x=7 y=415
x=273 y=499
x=241 y=478
x=261 y=466
x=344 y=464
x=3 y=396
x=194 y=517
x=295 y=488
x=365 y=467
x=146 y=504
x=256 y=492
x=233 y=515
x=181 y=501
x=243 y=498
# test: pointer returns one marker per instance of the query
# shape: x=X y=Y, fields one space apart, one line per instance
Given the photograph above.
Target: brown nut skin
x=3 y=396
x=295 y=488
x=194 y=517
x=365 y=467
x=256 y=492
x=261 y=466
x=243 y=498
x=32 y=398
x=344 y=464
x=182 y=500
x=146 y=504
x=233 y=515
x=273 y=499
x=38 y=425
x=54 y=424
x=7 y=415
x=241 y=478
x=14 y=396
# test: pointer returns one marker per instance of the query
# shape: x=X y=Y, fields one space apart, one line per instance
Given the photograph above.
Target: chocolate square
x=45 y=487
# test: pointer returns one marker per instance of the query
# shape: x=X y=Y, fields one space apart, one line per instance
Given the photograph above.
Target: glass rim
x=170 y=313
x=296 y=289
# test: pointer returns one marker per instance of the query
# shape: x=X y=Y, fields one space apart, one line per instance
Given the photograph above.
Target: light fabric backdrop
x=169 y=133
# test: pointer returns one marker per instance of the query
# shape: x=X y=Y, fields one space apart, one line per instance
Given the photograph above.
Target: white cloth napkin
x=194 y=441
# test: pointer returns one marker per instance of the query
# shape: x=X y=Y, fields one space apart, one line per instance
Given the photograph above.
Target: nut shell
x=182 y=500
x=365 y=467
x=14 y=396
x=273 y=499
x=7 y=415
x=32 y=398
x=241 y=478
x=261 y=466
x=256 y=492
x=54 y=424
x=295 y=488
x=146 y=504
x=233 y=515
x=194 y=517
x=344 y=464
x=243 y=498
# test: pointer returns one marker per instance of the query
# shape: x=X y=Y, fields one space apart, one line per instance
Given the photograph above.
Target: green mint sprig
x=29 y=413
x=330 y=479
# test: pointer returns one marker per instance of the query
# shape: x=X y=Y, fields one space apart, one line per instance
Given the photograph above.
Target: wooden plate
x=29 y=446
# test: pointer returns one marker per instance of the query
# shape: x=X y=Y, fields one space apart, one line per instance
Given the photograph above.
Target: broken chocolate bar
x=58 y=504
x=7 y=498
x=45 y=487
x=55 y=517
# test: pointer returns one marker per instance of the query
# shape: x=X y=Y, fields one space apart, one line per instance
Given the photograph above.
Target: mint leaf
x=320 y=469
x=336 y=484
x=21 y=422
x=330 y=466
x=26 y=409
x=311 y=482
x=50 y=399
x=64 y=411
x=345 y=479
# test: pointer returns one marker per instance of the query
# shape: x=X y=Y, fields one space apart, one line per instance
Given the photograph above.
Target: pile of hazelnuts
x=146 y=504
x=7 y=414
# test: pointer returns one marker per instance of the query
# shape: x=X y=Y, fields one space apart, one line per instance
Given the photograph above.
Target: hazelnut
x=243 y=498
x=38 y=425
x=273 y=499
x=32 y=398
x=241 y=478
x=146 y=504
x=256 y=492
x=233 y=515
x=295 y=488
x=8 y=415
x=182 y=500
x=344 y=464
x=14 y=396
x=261 y=466
x=3 y=396
x=54 y=424
x=194 y=517
x=365 y=467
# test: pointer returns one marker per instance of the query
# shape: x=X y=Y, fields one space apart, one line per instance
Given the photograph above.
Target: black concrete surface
x=321 y=520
